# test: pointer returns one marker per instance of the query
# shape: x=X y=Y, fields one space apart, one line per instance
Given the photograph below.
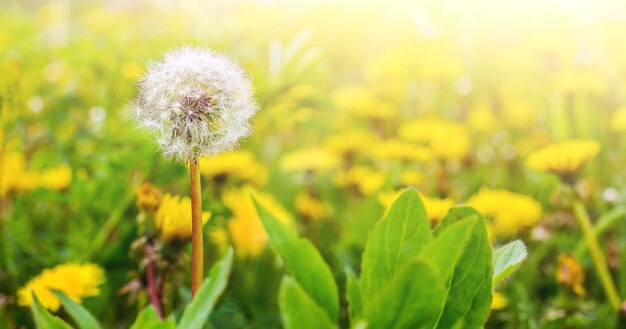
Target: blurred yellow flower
x=173 y=218
x=131 y=70
x=571 y=274
x=397 y=150
x=564 y=158
x=365 y=180
x=313 y=159
x=12 y=166
x=410 y=177
x=362 y=102
x=618 y=121
x=56 y=178
x=499 y=301
x=482 y=118
x=247 y=232
x=447 y=140
x=350 y=143
x=235 y=165
x=148 y=197
x=435 y=207
x=511 y=213
x=311 y=207
x=75 y=280
x=15 y=177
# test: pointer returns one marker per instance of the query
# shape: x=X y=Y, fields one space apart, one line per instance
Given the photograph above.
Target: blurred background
x=357 y=100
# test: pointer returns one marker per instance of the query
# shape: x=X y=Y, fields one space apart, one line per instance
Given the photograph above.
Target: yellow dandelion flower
x=148 y=197
x=131 y=70
x=564 y=158
x=361 y=102
x=235 y=165
x=511 y=213
x=350 y=143
x=15 y=177
x=447 y=140
x=618 y=121
x=173 y=218
x=12 y=166
x=75 y=280
x=311 y=207
x=313 y=159
x=499 y=301
x=56 y=178
x=435 y=207
x=397 y=150
x=365 y=180
x=411 y=177
x=247 y=232
x=571 y=274
x=482 y=118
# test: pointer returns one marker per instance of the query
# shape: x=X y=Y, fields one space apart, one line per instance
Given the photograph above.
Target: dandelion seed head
x=195 y=102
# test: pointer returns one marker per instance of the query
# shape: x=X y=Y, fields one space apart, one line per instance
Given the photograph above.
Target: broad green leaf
x=146 y=317
x=299 y=310
x=83 y=318
x=412 y=299
x=507 y=260
x=395 y=239
x=454 y=215
x=303 y=262
x=353 y=295
x=469 y=293
x=43 y=318
x=445 y=250
x=198 y=311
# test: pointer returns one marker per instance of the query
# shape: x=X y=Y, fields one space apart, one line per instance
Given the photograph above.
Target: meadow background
x=358 y=99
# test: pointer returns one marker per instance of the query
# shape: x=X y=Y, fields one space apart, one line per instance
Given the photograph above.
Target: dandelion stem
x=197 y=251
x=597 y=256
x=152 y=290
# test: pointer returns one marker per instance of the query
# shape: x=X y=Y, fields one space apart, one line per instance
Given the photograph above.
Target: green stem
x=197 y=251
x=597 y=256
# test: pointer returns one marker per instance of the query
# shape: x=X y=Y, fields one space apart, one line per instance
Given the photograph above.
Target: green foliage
x=507 y=259
x=194 y=315
x=149 y=319
x=300 y=311
x=396 y=238
x=81 y=316
x=411 y=278
x=198 y=311
x=304 y=263
x=43 y=318
x=412 y=299
x=469 y=292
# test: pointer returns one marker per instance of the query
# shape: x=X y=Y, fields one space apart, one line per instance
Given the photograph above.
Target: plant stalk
x=597 y=256
x=197 y=251
x=152 y=290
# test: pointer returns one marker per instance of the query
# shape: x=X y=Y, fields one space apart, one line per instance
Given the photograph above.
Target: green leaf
x=83 y=318
x=299 y=310
x=412 y=299
x=303 y=262
x=469 y=294
x=353 y=295
x=507 y=260
x=198 y=311
x=445 y=250
x=43 y=318
x=395 y=239
x=454 y=215
x=146 y=318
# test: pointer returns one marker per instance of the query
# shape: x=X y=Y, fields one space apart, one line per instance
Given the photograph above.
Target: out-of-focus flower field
x=516 y=108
